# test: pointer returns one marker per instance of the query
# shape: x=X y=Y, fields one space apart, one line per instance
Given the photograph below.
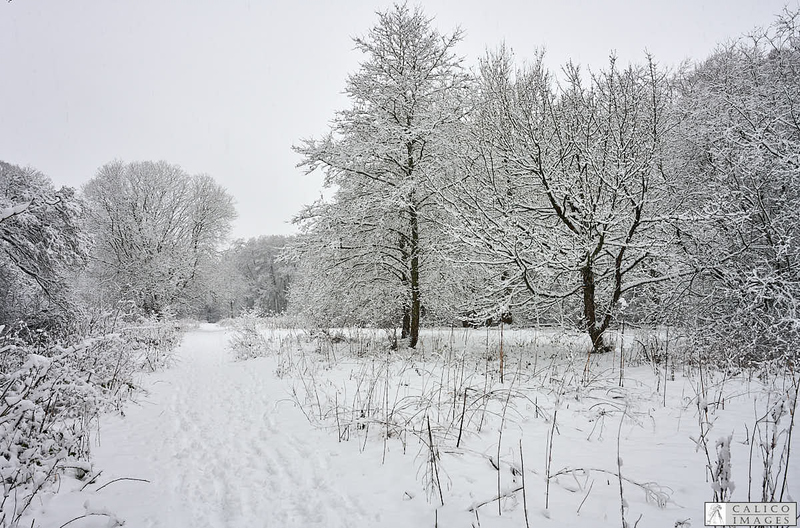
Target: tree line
x=141 y=238
x=577 y=197
x=582 y=197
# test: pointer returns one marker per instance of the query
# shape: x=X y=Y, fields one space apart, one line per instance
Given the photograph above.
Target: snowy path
x=221 y=444
x=222 y=447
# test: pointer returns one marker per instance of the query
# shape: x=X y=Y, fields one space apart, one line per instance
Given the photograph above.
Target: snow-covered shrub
x=12 y=354
x=20 y=339
x=108 y=360
x=152 y=342
x=247 y=340
x=751 y=328
x=284 y=321
x=50 y=395
x=46 y=410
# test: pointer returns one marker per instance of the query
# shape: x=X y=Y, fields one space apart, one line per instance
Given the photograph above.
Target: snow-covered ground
x=315 y=436
x=221 y=446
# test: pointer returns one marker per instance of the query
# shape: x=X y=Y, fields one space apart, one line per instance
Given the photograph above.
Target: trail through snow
x=222 y=446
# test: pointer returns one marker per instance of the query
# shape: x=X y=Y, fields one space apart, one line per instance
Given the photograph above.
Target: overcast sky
x=227 y=86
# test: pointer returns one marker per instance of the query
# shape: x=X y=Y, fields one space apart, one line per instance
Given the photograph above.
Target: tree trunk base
x=604 y=349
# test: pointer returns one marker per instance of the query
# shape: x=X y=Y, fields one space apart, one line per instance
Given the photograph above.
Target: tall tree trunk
x=589 y=308
x=415 y=297
x=406 y=329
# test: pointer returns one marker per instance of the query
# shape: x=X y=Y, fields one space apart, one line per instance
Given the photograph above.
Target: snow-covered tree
x=742 y=150
x=41 y=246
x=265 y=277
x=369 y=249
x=154 y=227
x=219 y=289
x=566 y=193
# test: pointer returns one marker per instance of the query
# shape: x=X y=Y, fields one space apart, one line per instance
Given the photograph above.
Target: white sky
x=227 y=86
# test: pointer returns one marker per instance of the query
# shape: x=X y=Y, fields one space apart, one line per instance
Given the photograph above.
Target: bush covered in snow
x=47 y=407
x=50 y=395
x=247 y=341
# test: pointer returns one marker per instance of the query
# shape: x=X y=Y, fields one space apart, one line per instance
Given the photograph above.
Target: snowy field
x=332 y=432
